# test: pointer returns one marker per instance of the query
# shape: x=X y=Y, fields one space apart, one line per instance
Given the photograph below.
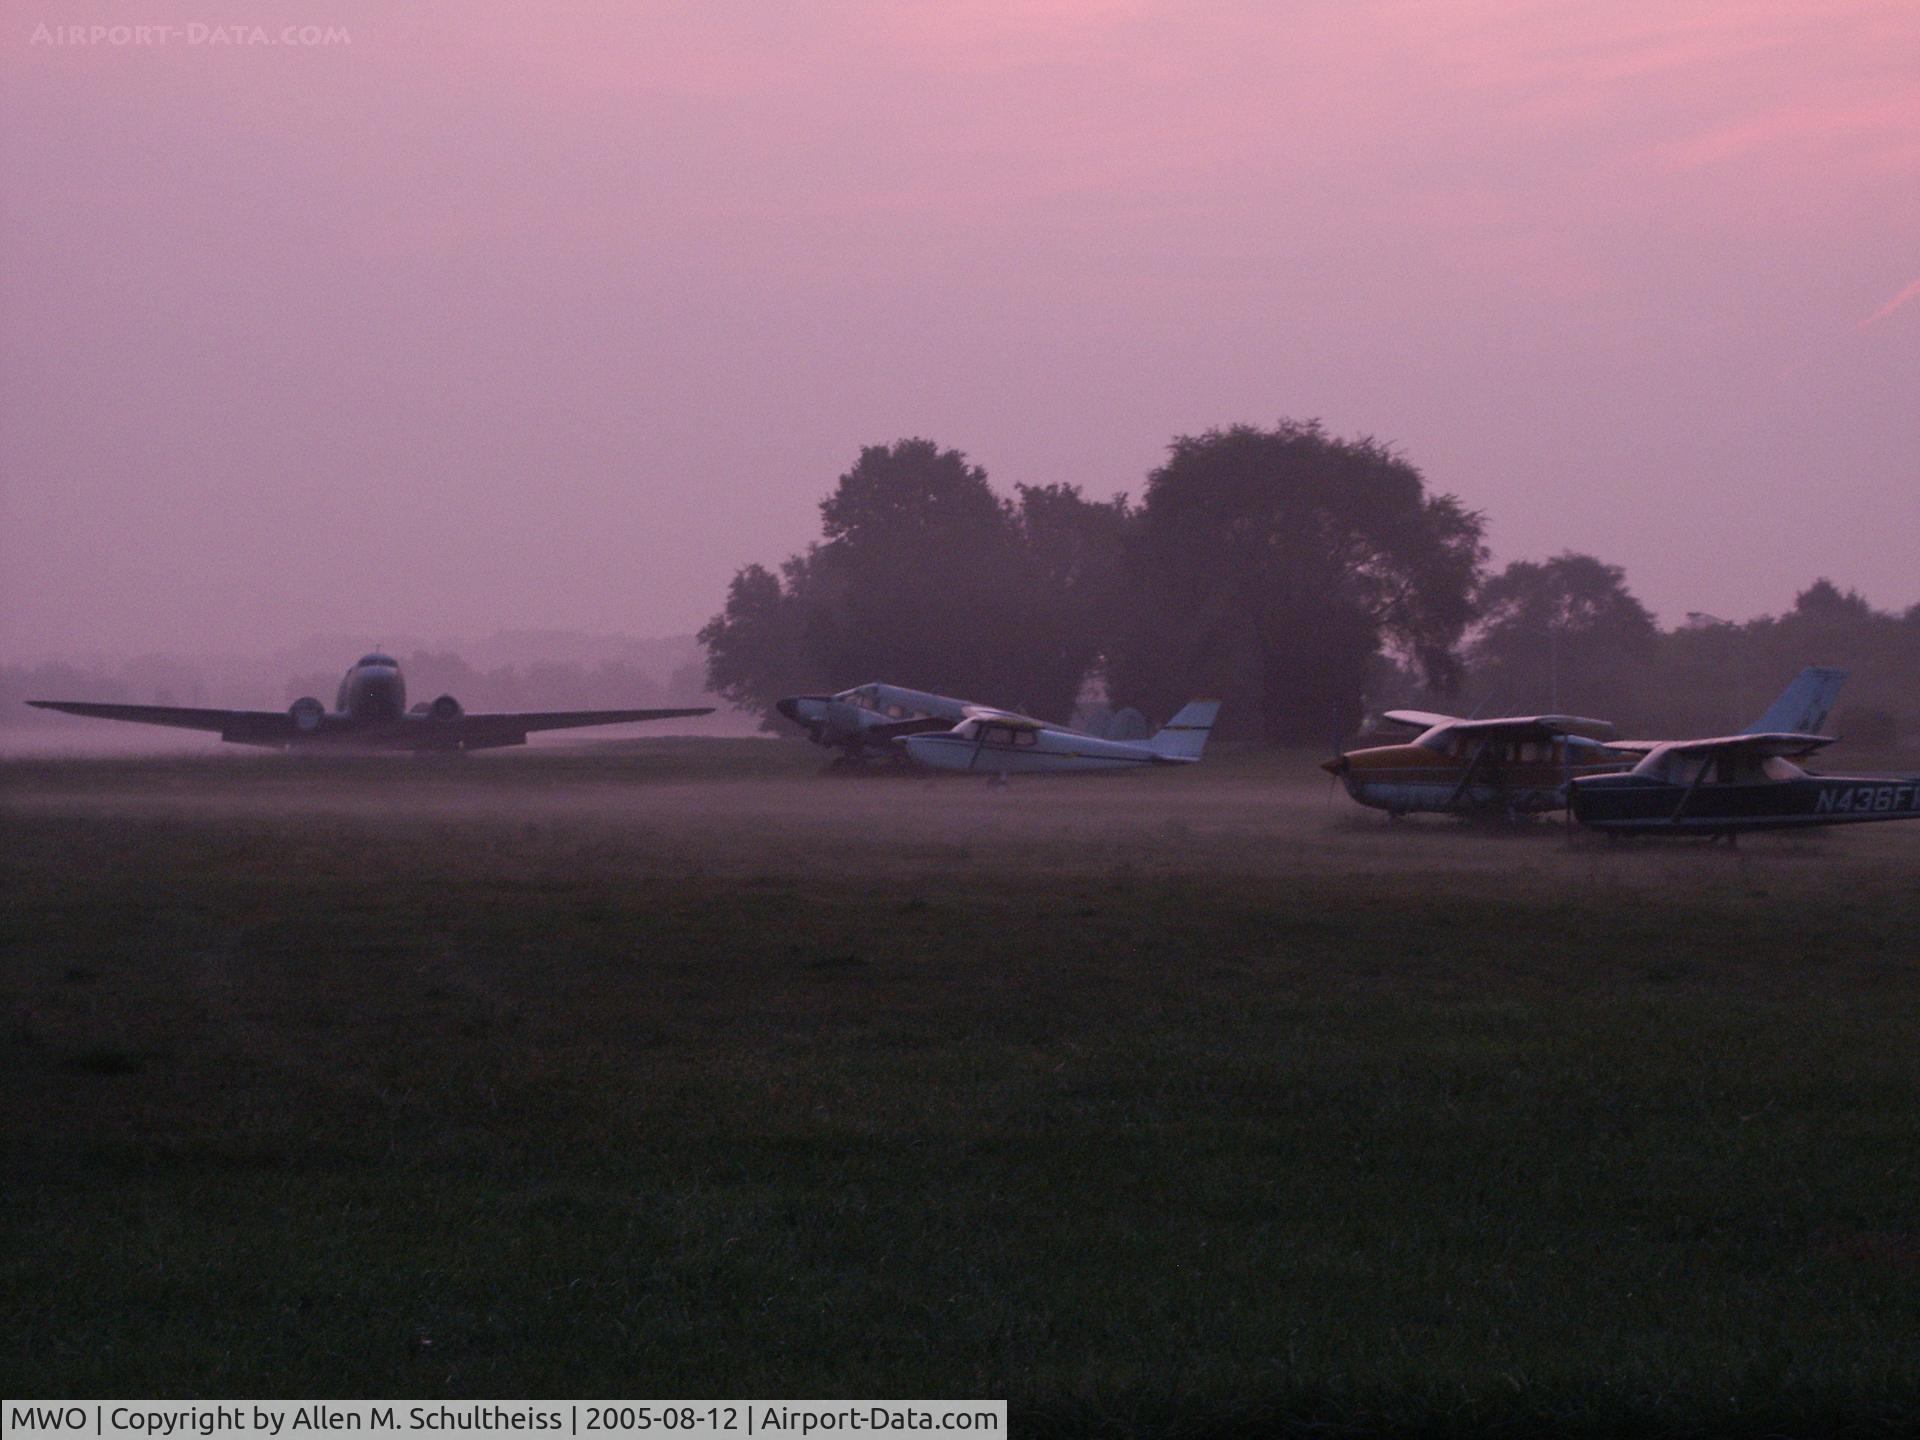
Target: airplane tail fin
x=1803 y=706
x=1185 y=735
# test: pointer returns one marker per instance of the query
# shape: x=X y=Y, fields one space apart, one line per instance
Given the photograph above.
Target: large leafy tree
x=1270 y=567
x=1564 y=633
x=924 y=577
x=756 y=646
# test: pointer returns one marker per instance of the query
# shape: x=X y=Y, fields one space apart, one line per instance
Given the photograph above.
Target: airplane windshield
x=378 y=659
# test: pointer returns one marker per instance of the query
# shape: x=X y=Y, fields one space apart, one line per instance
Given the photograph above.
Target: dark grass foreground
x=1178 y=1105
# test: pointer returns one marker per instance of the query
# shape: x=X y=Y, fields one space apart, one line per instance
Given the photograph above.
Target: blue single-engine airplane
x=1734 y=783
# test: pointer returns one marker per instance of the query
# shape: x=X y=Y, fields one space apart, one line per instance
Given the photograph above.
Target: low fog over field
x=1195 y=1097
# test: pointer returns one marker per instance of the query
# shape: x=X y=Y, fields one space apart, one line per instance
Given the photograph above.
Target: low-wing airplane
x=994 y=742
x=865 y=720
x=370 y=713
x=1732 y=783
x=1521 y=764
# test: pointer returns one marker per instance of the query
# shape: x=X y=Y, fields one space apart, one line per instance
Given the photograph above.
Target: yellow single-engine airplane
x=1523 y=764
x=1517 y=764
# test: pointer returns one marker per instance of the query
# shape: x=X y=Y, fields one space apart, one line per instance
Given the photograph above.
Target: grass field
x=1177 y=1102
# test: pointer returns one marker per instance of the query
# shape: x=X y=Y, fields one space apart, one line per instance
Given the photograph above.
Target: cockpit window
x=378 y=659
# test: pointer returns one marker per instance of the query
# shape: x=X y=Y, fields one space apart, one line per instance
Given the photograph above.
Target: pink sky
x=515 y=316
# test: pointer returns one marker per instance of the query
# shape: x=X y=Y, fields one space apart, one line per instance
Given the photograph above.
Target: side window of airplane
x=896 y=712
x=1025 y=737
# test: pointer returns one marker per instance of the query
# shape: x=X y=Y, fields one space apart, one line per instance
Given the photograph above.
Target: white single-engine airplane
x=370 y=713
x=994 y=742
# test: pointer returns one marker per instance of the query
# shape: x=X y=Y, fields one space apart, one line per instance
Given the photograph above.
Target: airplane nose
x=789 y=707
x=1335 y=766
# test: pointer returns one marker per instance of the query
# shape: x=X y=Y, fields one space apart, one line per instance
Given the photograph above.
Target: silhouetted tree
x=1075 y=554
x=757 y=646
x=1564 y=633
x=1270 y=567
x=924 y=577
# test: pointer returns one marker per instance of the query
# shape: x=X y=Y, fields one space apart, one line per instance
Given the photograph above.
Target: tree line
x=1301 y=577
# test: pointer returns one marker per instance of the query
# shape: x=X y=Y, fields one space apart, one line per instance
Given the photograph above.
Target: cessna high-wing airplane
x=993 y=742
x=865 y=720
x=1733 y=783
x=1521 y=764
x=370 y=713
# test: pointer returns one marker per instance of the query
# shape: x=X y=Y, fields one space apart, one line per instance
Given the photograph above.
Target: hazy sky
x=498 y=316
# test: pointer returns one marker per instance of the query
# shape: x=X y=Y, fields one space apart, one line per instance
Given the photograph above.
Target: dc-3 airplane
x=994 y=742
x=1733 y=783
x=1522 y=764
x=863 y=722
x=370 y=713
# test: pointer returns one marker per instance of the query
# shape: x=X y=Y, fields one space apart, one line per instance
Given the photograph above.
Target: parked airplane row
x=1515 y=764
x=370 y=713
x=1720 y=785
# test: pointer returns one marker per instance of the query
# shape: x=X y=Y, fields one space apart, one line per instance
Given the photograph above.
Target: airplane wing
x=1580 y=725
x=1419 y=719
x=510 y=727
x=1777 y=742
x=1008 y=718
x=253 y=724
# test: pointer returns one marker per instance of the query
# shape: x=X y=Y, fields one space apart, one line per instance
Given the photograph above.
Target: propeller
x=1337 y=766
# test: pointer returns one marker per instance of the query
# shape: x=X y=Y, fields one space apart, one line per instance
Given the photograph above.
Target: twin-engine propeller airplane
x=1521 y=764
x=370 y=713
x=1733 y=783
x=864 y=722
x=994 y=742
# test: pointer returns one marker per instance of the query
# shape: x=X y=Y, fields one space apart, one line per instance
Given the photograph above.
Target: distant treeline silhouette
x=1303 y=578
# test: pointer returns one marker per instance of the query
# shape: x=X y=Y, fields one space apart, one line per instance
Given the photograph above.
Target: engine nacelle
x=306 y=714
x=445 y=708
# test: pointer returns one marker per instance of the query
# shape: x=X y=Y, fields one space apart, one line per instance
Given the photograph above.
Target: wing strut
x=1467 y=779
